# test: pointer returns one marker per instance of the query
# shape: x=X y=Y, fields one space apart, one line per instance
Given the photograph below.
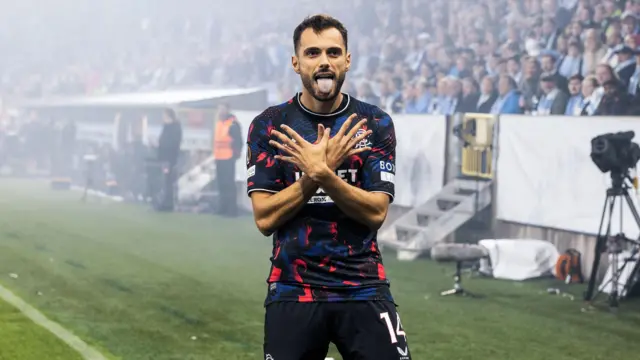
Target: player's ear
x=295 y=63
x=348 y=61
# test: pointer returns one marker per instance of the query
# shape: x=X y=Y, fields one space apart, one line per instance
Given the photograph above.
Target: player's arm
x=273 y=204
x=368 y=208
x=273 y=210
x=370 y=204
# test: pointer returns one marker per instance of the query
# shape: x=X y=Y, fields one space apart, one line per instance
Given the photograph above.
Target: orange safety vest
x=222 y=149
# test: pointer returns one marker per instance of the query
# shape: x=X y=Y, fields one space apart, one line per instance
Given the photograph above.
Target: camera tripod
x=614 y=245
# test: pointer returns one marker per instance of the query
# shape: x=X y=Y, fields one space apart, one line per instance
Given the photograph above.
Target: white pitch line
x=87 y=352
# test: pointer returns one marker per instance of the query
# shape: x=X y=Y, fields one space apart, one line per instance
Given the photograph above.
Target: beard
x=310 y=84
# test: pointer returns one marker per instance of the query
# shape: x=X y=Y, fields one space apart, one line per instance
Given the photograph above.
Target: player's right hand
x=342 y=146
x=310 y=158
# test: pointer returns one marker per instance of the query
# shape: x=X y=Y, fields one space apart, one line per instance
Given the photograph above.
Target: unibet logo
x=348 y=175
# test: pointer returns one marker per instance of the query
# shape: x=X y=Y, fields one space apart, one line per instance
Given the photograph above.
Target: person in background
x=603 y=73
x=550 y=34
x=630 y=24
x=530 y=84
x=626 y=64
x=631 y=41
x=420 y=99
x=553 y=100
x=575 y=103
x=454 y=95
x=426 y=73
x=365 y=92
x=392 y=98
x=508 y=98
x=594 y=50
x=591 y=100
x=634 y=87
x=226 y=151
x=576 y=28
x=549 y=68
x=614 y=100
x=614 y=38
x=168 y=153
x=479 y=71
x=562 y=46
x=470 y=96
x=488 y=96
x=439 y=104
x=513 y=68
x=572 y=63
x=634 y=81
x=462 y=67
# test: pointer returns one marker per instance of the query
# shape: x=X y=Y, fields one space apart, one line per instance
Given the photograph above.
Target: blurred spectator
x=590 y=98
x=634 y=80
x=572 y=63
x=402 y=50
x=614 y=100
x=594 y=51
x=629 y=23
x=554 y=100
x=576 y=101
x=530 y=85
x=419 y=99
x=549 y=68
x=470 y=96
x=626 y=64
x=391 y=95
x=513 y=68
x=508 y=97
x=366 y=94
x=488 y=96
x=614 y=38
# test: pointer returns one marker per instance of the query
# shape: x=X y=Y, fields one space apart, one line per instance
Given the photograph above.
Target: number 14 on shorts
x=395 y=333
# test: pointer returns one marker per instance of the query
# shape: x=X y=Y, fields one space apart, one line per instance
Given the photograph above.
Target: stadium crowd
x=574 y=57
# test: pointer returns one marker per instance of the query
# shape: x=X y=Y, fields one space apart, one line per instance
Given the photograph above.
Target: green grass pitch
x=143 y=285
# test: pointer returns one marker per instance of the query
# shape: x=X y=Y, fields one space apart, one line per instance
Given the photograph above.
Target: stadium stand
x=412 y=56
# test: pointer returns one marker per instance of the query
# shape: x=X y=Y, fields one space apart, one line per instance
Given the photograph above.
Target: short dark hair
x=576 y=77
x=318 y=23
x=171 y=114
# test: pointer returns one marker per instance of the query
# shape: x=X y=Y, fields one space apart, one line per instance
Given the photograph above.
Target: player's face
x=322 y=62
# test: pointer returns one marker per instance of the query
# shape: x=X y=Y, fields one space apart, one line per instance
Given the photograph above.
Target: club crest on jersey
x=364 y=142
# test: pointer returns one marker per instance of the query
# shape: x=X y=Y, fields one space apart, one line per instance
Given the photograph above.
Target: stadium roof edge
x=156 y=99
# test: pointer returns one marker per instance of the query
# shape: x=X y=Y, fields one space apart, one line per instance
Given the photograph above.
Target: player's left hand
x=342 y=146
x=308 y=157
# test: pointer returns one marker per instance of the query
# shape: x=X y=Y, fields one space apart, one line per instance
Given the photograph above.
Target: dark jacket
x=169 y=143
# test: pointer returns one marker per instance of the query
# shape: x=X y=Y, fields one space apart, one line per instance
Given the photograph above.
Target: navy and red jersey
x=322 y=254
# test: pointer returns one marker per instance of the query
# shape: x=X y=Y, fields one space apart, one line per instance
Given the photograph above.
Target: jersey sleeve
x=380 y=166
x=262 y=168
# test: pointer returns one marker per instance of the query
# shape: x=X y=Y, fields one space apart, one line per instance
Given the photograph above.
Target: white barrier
x=420 y=154
x=545 y=174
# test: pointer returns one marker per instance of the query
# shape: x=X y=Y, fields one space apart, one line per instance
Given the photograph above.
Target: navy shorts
x=362 y=330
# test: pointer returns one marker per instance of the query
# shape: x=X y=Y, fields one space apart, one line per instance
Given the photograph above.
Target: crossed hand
x=325 y=152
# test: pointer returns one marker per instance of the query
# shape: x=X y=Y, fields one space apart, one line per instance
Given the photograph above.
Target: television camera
x=616 y=154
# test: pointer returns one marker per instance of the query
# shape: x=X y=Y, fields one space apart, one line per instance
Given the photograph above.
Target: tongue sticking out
x=325 y=85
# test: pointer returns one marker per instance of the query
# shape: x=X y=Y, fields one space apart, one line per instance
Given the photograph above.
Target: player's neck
x=320 y=107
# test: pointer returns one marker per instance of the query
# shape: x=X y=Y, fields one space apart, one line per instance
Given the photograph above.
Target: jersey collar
x=346 y=100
